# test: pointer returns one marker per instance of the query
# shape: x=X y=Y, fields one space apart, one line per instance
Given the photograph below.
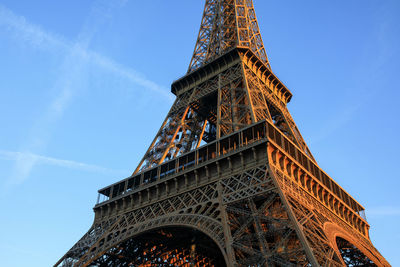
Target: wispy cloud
x=73 y=72
x=33 y=159
x=25 y=31
x=129 y=74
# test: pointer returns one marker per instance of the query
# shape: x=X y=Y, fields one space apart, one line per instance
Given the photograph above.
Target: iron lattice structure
x=228 y=180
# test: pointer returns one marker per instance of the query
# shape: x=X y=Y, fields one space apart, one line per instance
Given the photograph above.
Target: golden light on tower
x=252 y=195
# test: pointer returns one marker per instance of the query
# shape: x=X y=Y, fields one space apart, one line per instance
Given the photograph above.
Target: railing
x=288 y=146
x=242 y=138
x=191 y=159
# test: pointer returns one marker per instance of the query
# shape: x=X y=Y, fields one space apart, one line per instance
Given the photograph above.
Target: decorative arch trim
x=208 y=226
x=333 y=231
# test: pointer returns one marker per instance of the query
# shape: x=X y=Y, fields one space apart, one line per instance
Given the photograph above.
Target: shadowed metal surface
x=228 y=179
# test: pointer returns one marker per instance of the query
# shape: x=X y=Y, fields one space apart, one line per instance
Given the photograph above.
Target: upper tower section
x=229 y=86
x=227 y=24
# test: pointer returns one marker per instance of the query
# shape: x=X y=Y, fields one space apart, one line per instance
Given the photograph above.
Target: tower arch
x=352 y=251
x=189 y=236
x=229 y=163
x=165 y=246
x=351 y=255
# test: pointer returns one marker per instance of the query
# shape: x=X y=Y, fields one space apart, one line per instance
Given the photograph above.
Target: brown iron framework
x=228 y=179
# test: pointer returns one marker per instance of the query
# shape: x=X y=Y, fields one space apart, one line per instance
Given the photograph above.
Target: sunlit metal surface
x=228 y=180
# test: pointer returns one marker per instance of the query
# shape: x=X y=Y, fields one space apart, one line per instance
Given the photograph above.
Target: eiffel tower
x=228 y=180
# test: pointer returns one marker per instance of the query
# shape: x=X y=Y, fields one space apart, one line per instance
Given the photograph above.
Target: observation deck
x=259 y=142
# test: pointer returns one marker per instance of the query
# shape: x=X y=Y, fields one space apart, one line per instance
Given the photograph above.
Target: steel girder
x=254 y=214
x=232 y=96
x=232 y=101
x=268 y=209
x=227 y=24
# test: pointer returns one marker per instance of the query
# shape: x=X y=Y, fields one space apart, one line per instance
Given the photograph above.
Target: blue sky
x=85 y=86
